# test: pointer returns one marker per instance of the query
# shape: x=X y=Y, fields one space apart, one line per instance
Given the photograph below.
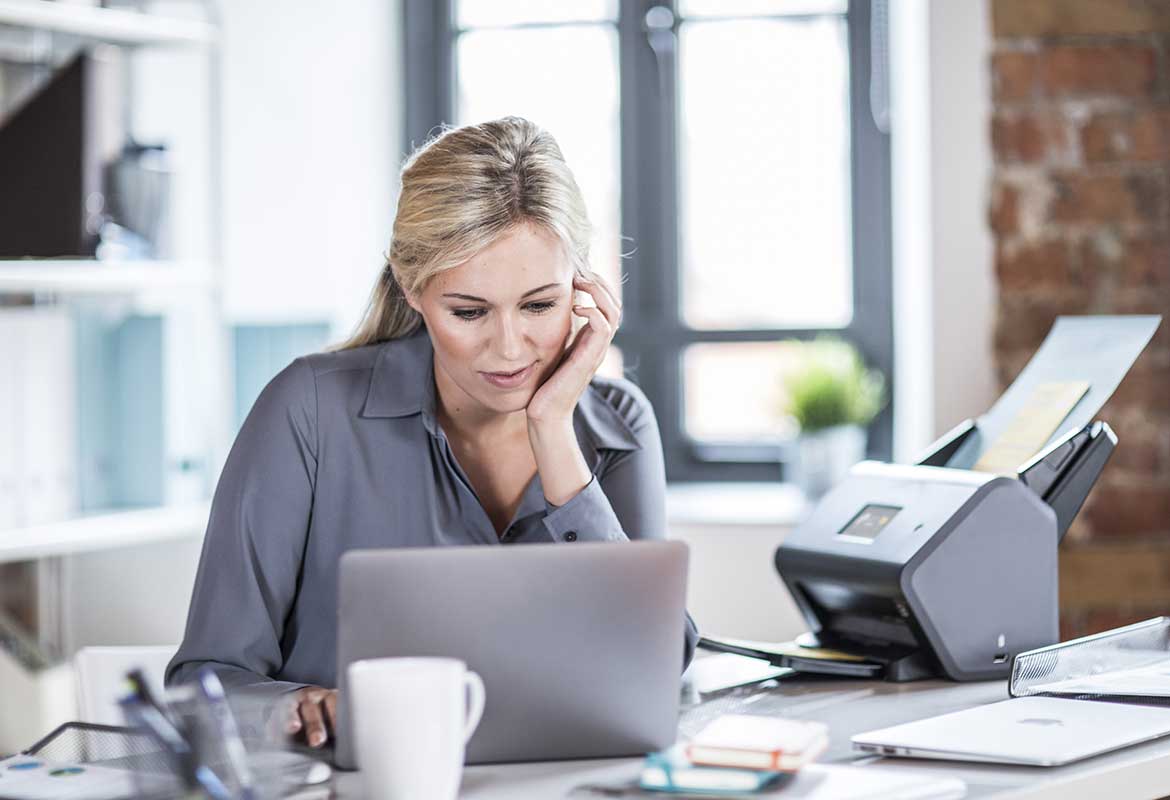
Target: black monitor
x=53 y=149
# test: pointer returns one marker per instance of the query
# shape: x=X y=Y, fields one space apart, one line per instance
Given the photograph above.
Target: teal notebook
x=672 y=771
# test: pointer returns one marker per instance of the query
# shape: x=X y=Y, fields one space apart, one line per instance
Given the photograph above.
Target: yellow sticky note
x=1032 y=427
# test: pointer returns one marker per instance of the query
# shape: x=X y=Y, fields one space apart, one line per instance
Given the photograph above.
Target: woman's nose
x=510 y=338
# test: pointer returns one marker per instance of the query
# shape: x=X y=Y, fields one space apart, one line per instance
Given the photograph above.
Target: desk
x=848 y=707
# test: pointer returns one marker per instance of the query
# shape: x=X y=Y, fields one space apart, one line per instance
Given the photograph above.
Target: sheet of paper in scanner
x=1098 y=350
x=1026 y=435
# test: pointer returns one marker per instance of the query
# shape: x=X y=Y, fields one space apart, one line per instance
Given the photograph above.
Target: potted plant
x=831 y=396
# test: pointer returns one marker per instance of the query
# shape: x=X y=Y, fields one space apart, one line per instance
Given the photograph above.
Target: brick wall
x=1079 y=210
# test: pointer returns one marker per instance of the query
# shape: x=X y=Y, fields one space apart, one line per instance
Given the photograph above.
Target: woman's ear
x=411 y=298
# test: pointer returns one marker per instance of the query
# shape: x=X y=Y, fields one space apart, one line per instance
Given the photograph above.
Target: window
x=729 y=149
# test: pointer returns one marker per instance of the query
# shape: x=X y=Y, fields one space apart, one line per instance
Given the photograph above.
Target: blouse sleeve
x=247 y=577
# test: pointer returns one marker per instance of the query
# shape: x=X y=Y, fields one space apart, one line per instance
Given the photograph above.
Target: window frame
x=653 y=336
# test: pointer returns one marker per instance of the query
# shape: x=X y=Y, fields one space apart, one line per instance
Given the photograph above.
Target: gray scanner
x=937 y=569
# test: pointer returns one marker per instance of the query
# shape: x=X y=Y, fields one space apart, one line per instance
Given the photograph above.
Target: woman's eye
x=468 y=313
x=540 y=308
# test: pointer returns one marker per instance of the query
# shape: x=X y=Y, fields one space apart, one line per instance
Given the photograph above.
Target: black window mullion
x=649 y=211
x=429 y=67
x=871 y=330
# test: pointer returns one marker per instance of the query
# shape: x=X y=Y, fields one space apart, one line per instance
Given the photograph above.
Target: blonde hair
x=460 y=192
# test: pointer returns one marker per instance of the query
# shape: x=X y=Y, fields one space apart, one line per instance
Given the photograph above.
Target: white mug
x=412 y=718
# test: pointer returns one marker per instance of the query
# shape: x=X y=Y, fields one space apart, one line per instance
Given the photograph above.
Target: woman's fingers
x=294 y=718
x=603 y=297
x=592 y=340
x=311 y=718
x=599 y=324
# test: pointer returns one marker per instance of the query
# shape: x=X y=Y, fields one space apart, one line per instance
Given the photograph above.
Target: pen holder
x=231 y=748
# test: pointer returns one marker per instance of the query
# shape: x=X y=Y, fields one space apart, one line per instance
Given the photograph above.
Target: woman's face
x=500 y=321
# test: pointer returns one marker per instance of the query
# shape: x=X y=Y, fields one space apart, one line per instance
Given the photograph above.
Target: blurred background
x=194 y=193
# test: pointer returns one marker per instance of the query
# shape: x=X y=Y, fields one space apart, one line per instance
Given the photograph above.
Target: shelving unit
x=113 y=26
x=73 y=277
x=103 y=531
x=183 y=292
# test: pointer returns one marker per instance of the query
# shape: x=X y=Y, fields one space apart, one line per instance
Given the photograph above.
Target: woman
x=463 y=411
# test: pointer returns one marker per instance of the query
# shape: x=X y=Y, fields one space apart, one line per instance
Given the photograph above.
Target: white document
x=1148 y=681
x=725 y=670
x=29 y=778
x=841 y=782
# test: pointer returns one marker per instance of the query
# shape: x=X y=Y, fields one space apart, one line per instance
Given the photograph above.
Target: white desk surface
x=848 y=707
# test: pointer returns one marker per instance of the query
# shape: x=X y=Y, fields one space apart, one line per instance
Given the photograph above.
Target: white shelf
x=79 y=276
x=115 y=26
x=103 y=531
x=767 y=505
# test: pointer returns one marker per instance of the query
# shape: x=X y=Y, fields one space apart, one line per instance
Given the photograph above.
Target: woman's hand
x=562 y=467
x=314 y=713
x=554 y=401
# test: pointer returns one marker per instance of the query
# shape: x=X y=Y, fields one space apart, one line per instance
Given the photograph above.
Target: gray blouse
x=341 y=451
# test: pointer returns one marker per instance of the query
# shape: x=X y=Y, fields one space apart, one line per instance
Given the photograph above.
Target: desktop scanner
x=940 y=568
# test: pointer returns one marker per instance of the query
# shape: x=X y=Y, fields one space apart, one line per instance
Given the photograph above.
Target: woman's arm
x=627 y=499
x=247 y=577
x=559 y=461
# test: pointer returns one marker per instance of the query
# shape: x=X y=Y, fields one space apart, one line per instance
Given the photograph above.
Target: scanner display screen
x=870 y=521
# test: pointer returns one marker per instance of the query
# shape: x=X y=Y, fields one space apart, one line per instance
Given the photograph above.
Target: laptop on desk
x=580 y=646
x=1036 y=731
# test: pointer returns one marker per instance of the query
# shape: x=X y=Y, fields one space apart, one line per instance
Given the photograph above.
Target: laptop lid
x=1041 y=731
x=580 y=645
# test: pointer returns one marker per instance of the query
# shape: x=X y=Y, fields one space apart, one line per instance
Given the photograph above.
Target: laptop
x=580 y=646
x=1037 y=731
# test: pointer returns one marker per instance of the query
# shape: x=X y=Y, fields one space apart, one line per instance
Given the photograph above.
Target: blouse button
x=571 y=536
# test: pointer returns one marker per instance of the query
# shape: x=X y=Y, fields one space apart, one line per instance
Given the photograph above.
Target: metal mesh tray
x=277 y=772
x=1129 y=663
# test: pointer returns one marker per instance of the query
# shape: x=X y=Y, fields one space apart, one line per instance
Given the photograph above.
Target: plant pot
x=821 y=459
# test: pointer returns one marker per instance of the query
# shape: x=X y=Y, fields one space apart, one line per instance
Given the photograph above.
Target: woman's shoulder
x=620 y=393
x=408 y=353
x=303 y=381
x=618 y=402
x=329 y=361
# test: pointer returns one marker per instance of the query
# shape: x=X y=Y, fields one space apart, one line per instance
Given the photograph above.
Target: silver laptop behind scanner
x=580 y=646
x=1039 y=731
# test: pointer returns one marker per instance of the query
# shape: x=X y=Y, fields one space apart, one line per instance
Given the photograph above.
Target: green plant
x=832 y=386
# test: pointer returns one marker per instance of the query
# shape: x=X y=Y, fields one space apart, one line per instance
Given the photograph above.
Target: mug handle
x=475 y=700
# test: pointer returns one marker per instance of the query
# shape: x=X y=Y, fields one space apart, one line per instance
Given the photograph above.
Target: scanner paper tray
x=1125 y=664
x=818 y=661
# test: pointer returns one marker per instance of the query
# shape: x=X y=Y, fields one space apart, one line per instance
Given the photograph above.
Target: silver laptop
x=580 y=646
x=1040 y=731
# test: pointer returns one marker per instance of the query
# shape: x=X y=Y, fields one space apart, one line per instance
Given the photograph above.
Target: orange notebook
x=755 y=742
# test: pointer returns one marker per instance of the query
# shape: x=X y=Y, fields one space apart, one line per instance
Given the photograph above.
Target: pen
x=141 y=689
x=225 y=722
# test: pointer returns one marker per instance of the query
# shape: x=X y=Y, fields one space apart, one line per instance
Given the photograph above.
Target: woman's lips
x=508 y=380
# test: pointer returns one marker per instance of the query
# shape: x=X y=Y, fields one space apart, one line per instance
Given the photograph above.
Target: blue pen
x=212 y=691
